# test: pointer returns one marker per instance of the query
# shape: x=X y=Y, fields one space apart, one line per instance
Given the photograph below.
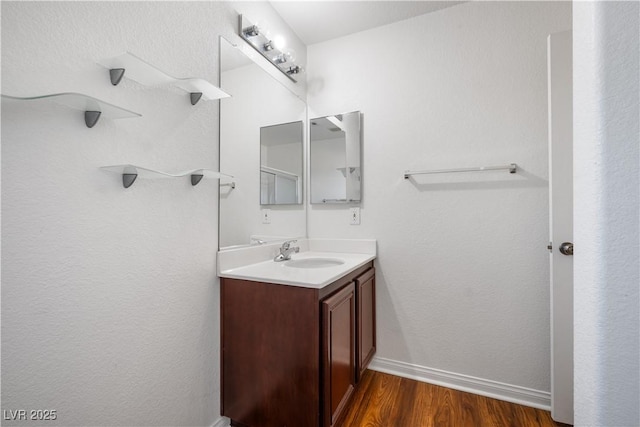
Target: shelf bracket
x=231 y=185
x=128 y=179
x=195 y=97
x=91 y=118
x=116 y=74
x=195 y=179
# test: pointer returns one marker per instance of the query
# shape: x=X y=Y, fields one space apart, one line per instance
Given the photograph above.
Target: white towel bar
x=511 y=168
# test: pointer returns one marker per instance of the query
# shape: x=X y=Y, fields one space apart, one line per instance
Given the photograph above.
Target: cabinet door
x=338 y=352
x=270 y=354
x=366 y=309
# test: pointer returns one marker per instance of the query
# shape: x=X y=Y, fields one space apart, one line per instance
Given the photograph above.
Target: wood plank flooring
x=384 y=400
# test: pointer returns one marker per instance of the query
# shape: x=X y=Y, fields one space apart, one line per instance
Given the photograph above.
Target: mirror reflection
x=260 y=109
x=281 y=164
x=336 y=175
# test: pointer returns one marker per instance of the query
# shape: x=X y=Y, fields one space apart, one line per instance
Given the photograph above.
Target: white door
x=561 y=223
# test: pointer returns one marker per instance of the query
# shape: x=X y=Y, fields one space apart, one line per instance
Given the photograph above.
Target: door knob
x=566 y=248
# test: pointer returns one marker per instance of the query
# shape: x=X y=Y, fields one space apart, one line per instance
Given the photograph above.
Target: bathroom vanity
x=296 y=338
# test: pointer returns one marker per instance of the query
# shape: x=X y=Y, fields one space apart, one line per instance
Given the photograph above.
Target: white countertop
x=353 y=253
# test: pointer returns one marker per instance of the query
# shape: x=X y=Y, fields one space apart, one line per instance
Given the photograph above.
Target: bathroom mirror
x=260 y=108
x=335 y=146
x=281 y=164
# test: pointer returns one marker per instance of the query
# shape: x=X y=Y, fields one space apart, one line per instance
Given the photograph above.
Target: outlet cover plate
x=354 y=216
x=266 y=216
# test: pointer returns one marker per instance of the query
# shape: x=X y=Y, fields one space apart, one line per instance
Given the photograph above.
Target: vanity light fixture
x=294 y=70
x=280 y=59
x=250 y=31
x=278 y=42
x=268 y=45
x=273 y=50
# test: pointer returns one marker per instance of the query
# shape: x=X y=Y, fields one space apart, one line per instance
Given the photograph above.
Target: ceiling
x=315 y=21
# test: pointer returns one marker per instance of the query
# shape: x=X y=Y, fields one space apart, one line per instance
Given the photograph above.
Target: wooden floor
x=384 y=400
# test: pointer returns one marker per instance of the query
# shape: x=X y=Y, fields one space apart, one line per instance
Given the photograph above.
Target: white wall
x=463 y=276
x=109 y=296
x=606 y=205
x=327 y=182
x=286 y=157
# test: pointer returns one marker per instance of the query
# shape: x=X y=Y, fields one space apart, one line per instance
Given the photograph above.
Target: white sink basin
x=314 y=262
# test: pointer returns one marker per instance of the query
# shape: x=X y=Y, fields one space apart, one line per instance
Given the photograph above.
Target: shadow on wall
x=315 y=86
x=387 y=315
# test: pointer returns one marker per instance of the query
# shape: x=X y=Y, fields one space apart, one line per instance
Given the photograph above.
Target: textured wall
x=109 y=296
x=606 y=207
x=463 y=276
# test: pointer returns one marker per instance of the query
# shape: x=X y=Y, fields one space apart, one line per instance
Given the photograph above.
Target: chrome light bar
x=254 y=35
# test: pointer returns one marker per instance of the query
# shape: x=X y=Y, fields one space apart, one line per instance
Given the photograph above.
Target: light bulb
x=279 y=59
x=279 y=42
x=290 y=55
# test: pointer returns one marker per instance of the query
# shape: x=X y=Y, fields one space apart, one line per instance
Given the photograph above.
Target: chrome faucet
x=286 y=250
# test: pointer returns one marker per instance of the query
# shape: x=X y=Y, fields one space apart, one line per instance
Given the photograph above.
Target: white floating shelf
x=131 y=172
x=146 y=74
x=93 y=108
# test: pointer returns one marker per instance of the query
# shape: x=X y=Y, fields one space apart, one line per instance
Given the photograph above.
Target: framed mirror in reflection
x=335 y=146
x=262 y=145
x=281 y=160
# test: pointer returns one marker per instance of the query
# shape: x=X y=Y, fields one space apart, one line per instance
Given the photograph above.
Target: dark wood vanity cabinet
x=292 y=356
x=366 y=309
x=338 y=352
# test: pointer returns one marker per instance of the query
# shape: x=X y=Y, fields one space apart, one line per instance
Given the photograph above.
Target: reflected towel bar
x=229 y=184
x=511 y=168
x=339 y=200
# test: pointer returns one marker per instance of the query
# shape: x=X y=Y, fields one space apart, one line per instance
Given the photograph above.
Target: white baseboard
x=222 y=422
x=507 y=392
